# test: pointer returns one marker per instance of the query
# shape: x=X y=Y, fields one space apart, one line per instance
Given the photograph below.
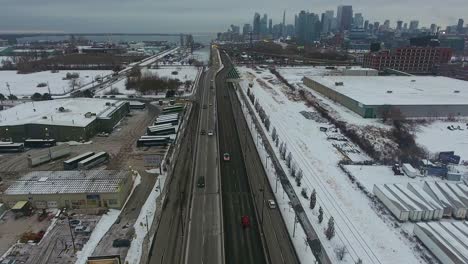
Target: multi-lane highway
x=277 y=243
x=201 y=223
x=242 y=245
x=204 y=241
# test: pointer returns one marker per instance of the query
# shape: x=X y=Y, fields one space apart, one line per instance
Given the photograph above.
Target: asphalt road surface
x=205 y=244
x=170 y=234
x=242 y=245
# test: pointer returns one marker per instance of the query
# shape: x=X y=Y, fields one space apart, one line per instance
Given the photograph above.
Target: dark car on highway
x=201 y=182
x=245 y=221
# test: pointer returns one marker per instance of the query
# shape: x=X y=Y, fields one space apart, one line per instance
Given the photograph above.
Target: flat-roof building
x=61 y=119
x=414 y=96
x=71 y=189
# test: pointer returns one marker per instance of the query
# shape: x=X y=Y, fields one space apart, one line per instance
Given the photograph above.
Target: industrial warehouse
x=62 y=119
x=70 y=189
x=413 y=96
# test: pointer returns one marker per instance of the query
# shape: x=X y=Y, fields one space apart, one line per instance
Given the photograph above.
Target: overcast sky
x=165 y=16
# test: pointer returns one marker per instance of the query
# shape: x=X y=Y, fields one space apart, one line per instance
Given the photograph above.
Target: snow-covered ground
x=436 y=137
x=368 y=176
x=184 y=73
x=104 y=224
x=26 y=84
x=144 y=222
x=358 y=226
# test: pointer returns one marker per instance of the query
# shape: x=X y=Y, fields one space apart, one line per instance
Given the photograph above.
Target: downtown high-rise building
x=460 y=26
x=399 y=25
x=246 y=29
x=358 y=21
x=366 y=25
x=344 y=16
x=308 y=28
x=256 y=24
x=414 y=25
x=327 y=21
x=264 y=25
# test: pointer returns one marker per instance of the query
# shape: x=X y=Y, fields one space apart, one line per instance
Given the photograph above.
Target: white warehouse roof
x=398 y=90
x=53 y=182
x=48 y=113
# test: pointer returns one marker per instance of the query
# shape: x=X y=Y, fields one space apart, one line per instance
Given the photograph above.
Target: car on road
x=271 y=204
x=210 y=132
x=211 y=104
x=226 y=157
x=201 y=182
x=245 y=221
x=204 y=106
x=203 y=132
x=75 y=222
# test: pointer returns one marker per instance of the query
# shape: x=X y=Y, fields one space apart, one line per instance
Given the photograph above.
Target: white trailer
x=460 y=194
x=418 y=191
x=47 y=155
x=428 y=210
x=399 y=210
x=459 y=208
x=448 y=247
x=409 y=170
x=416 y=213
x=435 y=193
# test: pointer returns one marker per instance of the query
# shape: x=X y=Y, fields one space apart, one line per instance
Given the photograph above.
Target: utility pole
x=71 y=232
x=8 y=87
x=295 y=221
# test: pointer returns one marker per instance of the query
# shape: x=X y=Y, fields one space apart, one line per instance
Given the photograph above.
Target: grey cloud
x=202 y=15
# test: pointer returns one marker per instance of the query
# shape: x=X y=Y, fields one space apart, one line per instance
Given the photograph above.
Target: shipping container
x=149 y=142
x=459 y=209
x=428 y=210
x=435 y=193
x=415 y=212
x=161 y=132
x=47 y=155
x=444 y=241
x=398 y=209
x=418 y=191
x=409 y=170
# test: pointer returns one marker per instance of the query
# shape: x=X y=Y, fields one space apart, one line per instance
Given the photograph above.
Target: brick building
x=408 y=59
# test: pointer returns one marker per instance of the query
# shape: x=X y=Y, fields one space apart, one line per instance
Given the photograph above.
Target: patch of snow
x=430 y=136
x=104 y=224
x=143 y=222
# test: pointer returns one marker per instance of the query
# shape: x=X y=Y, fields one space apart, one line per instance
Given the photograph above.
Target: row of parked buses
x=86 y=161
x=28 y=143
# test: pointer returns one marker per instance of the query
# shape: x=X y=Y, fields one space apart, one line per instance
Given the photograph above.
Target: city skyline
x=207 y=16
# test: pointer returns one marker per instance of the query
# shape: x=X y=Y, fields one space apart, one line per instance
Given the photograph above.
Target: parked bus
x=72 y=163
x=148 y=142
x=174 y=121
x=12 y=147
x=161 y=131
x=39 y=143
x=93 y=161
x=173 y=109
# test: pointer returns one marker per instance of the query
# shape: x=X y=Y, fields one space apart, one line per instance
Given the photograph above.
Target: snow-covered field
x=184 y=73
x=436 y=137
x=26 y=84
x=358 y=226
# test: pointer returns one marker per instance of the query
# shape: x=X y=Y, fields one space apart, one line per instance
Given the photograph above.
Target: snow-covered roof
x=52 y=182
x=48 y=113
x=398 y=90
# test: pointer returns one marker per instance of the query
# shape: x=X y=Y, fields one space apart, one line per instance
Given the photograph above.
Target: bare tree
x=313 y=199
x=330 y=232
x=320 y=216
x=341 y=252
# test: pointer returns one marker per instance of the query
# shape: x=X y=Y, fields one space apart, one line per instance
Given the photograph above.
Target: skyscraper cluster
x=309 y=27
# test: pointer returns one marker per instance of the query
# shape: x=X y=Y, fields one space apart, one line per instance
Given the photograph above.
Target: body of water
x=200 y=38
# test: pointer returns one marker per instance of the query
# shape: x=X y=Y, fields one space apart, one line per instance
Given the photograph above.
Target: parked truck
x=47 y=155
